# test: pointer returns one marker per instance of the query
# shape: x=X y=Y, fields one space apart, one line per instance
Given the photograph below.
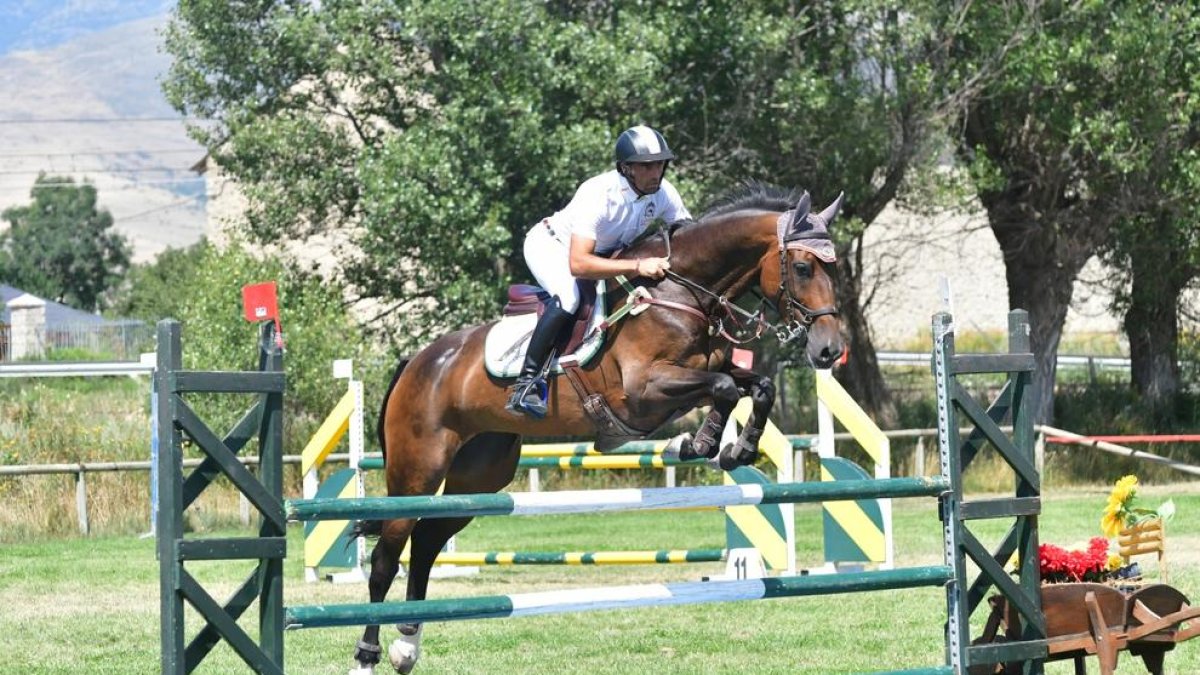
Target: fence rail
x=76 y=369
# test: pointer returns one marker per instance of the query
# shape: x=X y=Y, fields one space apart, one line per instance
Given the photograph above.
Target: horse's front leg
x=761 y=391
x=676 y=387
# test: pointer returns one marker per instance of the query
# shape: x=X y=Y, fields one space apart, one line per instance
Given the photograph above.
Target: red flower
x=1058 y=564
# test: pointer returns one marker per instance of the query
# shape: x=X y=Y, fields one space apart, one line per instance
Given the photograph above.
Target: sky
x=41 y=24
x=79 y=96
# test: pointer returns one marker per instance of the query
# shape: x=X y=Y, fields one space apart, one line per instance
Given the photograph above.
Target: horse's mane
x=748 y=196
x=755 y=195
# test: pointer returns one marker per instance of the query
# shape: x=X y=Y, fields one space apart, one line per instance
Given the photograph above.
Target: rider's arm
x=585 y=264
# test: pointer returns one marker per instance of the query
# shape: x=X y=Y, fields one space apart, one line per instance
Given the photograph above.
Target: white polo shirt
x=605 y=208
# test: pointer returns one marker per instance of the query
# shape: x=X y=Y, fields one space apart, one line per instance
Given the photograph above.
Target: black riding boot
x=527 y=395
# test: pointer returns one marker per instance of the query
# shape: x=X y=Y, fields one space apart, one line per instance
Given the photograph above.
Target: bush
x=201 y=287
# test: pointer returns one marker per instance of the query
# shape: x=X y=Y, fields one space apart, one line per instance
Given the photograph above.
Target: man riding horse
x=607 y=213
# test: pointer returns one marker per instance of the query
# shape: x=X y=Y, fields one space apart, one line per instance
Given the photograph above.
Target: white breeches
x=550 y=261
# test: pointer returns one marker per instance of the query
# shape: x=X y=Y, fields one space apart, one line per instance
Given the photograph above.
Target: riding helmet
x=642 y=144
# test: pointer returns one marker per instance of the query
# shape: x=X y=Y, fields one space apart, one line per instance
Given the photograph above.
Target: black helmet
x=642 y=144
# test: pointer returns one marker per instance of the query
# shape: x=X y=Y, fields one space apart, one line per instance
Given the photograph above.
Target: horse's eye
x=802 y=270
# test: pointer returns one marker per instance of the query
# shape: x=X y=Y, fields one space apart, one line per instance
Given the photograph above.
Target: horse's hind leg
x=415 y=466
x=485 y=463
x=385 y=564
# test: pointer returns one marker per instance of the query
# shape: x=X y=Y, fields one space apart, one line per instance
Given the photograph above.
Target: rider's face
x=646 y=176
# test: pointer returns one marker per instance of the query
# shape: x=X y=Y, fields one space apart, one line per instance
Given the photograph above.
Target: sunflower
x=1111 y=523
x=1124 y=490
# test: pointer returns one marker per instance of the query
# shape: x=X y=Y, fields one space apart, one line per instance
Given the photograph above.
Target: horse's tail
x=364 y=528
x=383 y=409
x=373 y=528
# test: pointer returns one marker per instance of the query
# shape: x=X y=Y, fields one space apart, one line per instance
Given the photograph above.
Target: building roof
x=57 y=314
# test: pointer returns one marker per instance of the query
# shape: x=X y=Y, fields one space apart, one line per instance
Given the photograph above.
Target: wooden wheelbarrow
x=1086 y=618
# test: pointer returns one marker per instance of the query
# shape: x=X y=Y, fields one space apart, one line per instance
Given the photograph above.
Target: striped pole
x=591 y=501
x=580 y=462
x=632 y=448
x=611 y=597
x=662 y=557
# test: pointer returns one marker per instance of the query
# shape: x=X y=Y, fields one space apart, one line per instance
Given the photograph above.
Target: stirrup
x=529 y=397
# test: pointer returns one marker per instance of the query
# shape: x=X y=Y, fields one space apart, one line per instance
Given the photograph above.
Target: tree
x=158 y=289
x=437 y=133
x=433 y=135
x=1155 y=248
x=1051 y=146
x=61 y=246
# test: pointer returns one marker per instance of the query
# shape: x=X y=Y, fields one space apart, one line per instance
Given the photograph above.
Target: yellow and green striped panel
x=327 y=543
x=853 y=529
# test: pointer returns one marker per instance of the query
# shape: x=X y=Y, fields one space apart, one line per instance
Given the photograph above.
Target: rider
x=606 y=214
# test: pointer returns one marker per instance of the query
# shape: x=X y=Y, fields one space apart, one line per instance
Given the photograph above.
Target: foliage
x=1120 y=511
x=201 y=287
x=1090 y=102
x=435 y=134
x=1155 y=247
x=61 y=246
x=159 y=289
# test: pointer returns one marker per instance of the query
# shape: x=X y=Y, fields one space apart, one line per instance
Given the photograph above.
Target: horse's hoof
x=737 y=454
x=404 y=652
x=678 y=445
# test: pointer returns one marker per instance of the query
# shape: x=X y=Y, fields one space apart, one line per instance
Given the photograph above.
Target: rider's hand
x=654 y=268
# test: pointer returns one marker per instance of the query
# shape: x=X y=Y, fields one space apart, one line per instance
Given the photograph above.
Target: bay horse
x=444 y=419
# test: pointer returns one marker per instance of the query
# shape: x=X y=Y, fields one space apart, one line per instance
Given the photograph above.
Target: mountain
x=90 y=107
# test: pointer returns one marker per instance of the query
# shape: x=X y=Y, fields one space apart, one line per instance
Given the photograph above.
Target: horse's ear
x=803 y=207
x=827 y=216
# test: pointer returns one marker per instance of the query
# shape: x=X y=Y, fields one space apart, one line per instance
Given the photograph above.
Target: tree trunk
x=1041 y=262
x=1159 y=272
x=860 y=375
x=1152 y=325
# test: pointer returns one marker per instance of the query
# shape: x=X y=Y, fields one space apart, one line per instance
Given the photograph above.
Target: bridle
x=725 y=310
x=796 y=328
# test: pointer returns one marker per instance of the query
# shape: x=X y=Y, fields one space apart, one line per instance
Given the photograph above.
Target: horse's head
x=805 y=284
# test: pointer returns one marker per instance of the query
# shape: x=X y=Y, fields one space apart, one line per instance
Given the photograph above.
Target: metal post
x=958 y=621
x=170 y=502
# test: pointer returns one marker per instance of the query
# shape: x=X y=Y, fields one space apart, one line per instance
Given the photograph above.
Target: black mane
x=754 y=195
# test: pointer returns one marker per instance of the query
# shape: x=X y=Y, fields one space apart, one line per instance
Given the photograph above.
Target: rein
x=792 y=330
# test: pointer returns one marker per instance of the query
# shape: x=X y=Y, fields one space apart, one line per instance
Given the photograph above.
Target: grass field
x=71 y=605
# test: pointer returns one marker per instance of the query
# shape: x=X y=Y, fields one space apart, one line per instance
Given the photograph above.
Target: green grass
x=91 y=605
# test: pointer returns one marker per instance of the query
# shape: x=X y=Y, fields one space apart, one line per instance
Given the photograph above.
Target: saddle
x=507 y=339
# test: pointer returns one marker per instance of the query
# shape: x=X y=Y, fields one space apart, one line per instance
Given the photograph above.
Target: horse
x=443 y=418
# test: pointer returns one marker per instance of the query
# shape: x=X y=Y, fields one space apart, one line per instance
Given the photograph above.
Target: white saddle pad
x=506 y=341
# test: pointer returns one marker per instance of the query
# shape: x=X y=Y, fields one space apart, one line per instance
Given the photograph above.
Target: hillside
x=138 y=157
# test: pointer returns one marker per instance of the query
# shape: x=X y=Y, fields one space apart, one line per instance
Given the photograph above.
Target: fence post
x=919 y=457
x=81 y=500
x=27 y=314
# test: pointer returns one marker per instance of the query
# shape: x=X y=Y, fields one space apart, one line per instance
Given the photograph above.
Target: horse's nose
x=828 y=352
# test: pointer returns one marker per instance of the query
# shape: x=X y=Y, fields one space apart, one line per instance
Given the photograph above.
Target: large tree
x=1155 y=248
x=61 y=246
x=1052 y=143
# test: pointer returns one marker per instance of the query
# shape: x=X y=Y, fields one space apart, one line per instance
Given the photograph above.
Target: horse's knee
x=725 y=392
